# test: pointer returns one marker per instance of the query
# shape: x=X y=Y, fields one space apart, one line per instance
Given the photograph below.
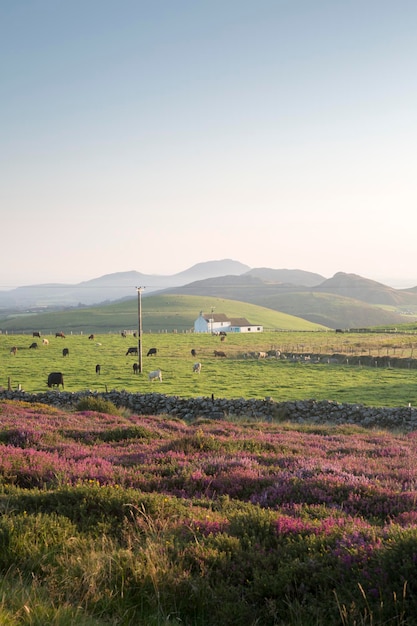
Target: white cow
x=197 y=368
x=45 y=342
x=155 y=375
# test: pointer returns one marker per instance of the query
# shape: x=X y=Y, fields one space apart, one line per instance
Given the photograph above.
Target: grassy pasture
x=231 y=377
x=160 y=314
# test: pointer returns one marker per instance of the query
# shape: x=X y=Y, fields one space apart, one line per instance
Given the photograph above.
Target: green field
x=159 y=314
x=235 y=376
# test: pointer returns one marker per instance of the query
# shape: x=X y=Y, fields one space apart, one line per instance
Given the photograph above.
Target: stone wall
x=300 y=411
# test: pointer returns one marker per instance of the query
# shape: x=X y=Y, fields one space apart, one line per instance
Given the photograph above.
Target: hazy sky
x=154 y=135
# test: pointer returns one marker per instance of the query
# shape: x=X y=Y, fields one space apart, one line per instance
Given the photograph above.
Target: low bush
x=99 y=405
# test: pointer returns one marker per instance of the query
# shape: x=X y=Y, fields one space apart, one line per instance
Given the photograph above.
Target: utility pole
x=139 y=290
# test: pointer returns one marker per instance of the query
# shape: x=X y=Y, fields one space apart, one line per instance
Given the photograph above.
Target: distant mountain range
x=111 y=287
x=345 y=300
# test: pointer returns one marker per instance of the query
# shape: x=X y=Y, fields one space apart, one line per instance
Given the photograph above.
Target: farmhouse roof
x=239 y=321
x=216 y=317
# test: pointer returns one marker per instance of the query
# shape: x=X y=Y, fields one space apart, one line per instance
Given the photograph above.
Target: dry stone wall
x=300 y=411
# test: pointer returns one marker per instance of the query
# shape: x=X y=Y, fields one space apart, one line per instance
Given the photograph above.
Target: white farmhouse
x=219 y=322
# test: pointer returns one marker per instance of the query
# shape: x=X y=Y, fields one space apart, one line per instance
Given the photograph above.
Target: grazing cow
x=65 y=352
x=193 y=352
x=33 y=345
x=91 y=336
x=262 y=355
x=135 y=368
x=152 y=352
x=13 y=350
x=45 y=342
x=36 y=333
x=223 y=338
x=98 y=369
x=219 y=353
x=123 y=334
x=274 y=353
x=155 y=375
x=133 y=350
x=55 y=379
x=60 y=335
x=197 y=368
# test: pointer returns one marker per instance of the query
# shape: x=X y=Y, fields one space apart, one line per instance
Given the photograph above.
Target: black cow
x=65 y=352
x=135 y=368
x=33 y=345
x=123 y=334
x=152 y=352
x=133 y=350
x=91 y=336
x=36 y=333
x=60 y=335
x=193 y=352
x=98 y=369
x=55 y=379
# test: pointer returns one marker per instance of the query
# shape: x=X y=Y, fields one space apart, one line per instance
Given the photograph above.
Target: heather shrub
x=199 y=442
x=21 y=437
x=121 y=433
x=142 y=521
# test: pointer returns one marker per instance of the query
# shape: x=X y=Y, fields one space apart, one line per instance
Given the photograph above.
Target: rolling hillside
x=159 y=313
x=346 y=301
x=366 y=290
x=343 y=301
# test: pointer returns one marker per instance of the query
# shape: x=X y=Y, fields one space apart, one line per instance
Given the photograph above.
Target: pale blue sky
x=154 y=135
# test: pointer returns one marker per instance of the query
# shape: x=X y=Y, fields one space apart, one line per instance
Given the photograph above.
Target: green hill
x=347 y=301
x=159 y=313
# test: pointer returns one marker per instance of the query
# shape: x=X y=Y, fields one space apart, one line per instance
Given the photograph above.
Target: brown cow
x=219 y=353
x=61 y=334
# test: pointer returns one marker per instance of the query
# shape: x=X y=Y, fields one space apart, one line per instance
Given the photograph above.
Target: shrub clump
x=99 y=405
